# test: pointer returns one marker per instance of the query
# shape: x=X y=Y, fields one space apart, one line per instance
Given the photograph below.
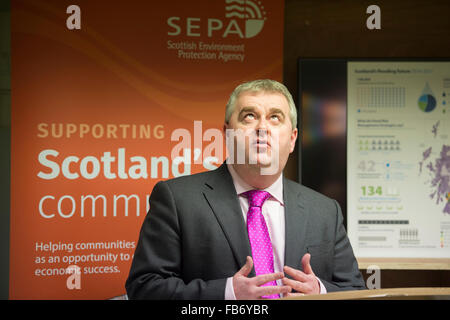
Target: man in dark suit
x=243 y=231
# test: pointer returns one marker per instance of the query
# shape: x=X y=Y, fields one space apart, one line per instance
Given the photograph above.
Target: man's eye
x=275 y=117
x=249 y=116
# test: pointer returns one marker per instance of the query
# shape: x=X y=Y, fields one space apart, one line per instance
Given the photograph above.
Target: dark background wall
x=337 y=29
x=5 y=128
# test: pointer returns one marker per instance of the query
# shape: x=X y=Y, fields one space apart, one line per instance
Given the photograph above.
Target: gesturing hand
x=304 y=282
x=250 y=288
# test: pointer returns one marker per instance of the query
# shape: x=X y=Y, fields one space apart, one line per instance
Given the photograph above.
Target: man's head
x=261 y=121
x=264 y=85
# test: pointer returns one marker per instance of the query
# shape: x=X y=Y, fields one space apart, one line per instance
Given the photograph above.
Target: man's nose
x=262 y=127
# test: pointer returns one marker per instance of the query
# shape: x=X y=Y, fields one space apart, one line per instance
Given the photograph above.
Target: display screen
x=389 y=134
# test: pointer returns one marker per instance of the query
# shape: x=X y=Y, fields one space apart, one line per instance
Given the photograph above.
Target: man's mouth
x=261 y=145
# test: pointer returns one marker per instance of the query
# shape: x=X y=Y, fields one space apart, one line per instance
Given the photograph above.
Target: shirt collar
x=275 y=190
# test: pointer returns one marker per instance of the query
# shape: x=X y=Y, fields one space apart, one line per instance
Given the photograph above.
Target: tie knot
x=256 y=198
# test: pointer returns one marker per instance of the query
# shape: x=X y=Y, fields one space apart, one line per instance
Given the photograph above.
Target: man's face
x=262 y=129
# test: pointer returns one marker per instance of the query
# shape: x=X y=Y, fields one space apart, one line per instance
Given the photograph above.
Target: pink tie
x=259 y=236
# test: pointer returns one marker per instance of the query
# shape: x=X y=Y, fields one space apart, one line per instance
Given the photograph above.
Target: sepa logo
x=250 y=12
x=246 y=20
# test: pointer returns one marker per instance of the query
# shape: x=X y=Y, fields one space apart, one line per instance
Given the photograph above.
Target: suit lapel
x=222 y=198
x=296 y=220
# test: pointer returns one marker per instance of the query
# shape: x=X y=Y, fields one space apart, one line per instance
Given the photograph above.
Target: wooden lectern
x=382 y=294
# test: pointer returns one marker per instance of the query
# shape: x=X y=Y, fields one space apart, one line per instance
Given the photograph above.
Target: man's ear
x=294 y=136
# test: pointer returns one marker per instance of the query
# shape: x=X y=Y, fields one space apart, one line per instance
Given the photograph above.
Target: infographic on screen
x=398 y=159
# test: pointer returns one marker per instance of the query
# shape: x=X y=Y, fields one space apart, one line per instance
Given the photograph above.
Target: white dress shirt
x=273 y=212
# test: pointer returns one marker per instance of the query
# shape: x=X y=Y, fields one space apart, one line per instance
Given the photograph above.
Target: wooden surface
x=382 y=294
x=404 y=263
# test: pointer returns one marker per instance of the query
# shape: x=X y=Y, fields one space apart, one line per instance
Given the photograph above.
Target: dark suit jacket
x=194 y=237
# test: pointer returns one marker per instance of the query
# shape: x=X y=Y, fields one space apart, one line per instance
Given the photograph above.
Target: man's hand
x=249 y=288
x=304 y=282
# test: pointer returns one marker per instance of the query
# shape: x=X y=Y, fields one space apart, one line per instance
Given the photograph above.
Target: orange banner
x=109 y=97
